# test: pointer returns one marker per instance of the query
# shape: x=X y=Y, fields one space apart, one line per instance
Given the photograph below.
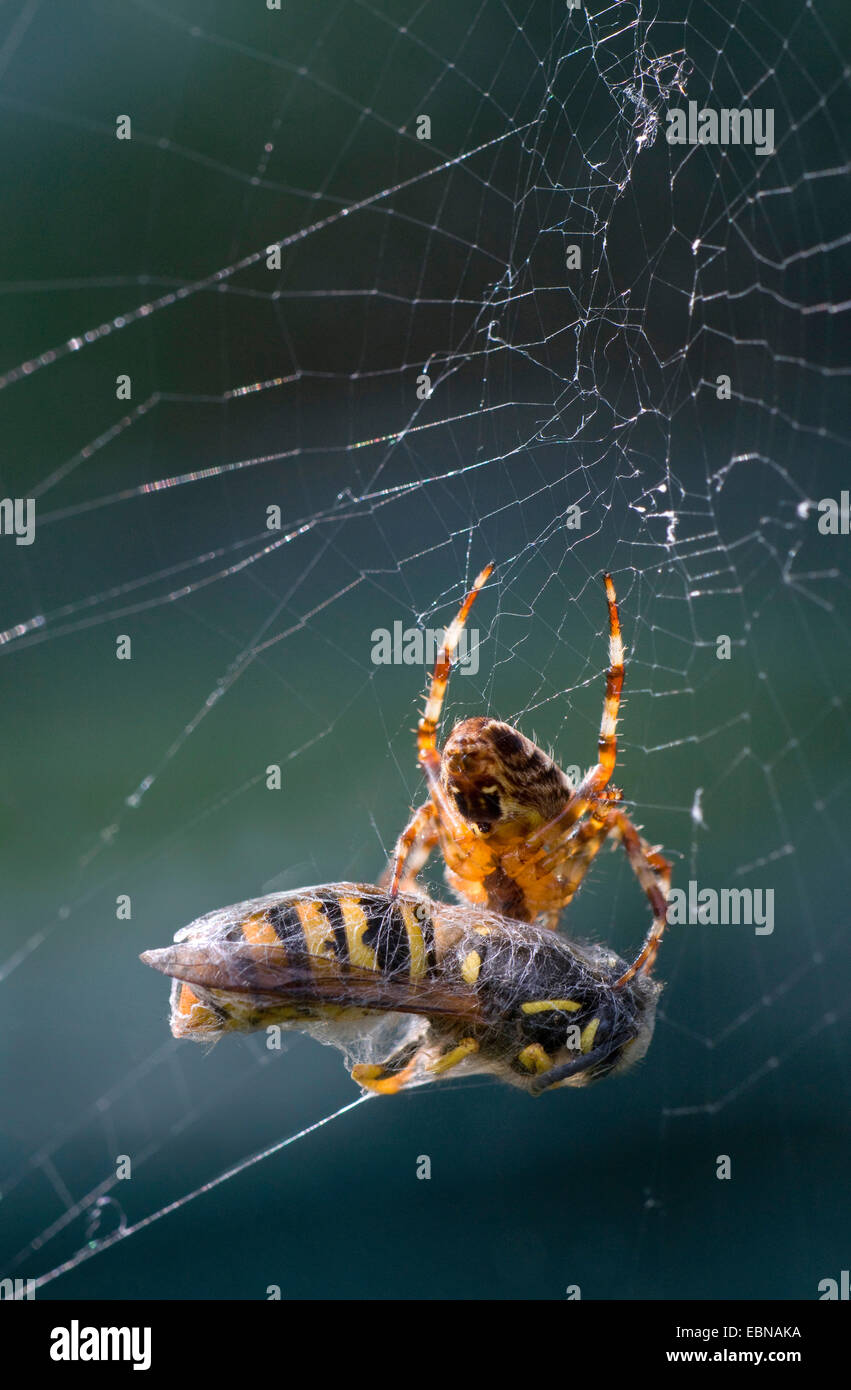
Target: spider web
x=573 y=425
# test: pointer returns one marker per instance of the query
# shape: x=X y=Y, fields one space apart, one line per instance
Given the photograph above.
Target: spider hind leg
x=653 y=872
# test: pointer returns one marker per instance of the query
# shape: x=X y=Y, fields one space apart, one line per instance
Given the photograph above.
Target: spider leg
x=574 y=857
x=654 y=874
x=597 y=778
x=439 y=810
x=413 y=848
x=607 y=746
x=427 y=729
x=570 y=859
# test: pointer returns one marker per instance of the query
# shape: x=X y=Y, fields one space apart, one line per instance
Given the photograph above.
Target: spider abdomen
x=498 y=778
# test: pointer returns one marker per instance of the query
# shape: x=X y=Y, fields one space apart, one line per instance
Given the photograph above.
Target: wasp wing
x=270 y=977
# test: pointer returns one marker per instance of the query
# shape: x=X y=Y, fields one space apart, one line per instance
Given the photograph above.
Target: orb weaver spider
x=516 y=835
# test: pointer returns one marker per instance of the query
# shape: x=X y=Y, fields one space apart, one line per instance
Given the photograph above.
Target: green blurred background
x=551 y=388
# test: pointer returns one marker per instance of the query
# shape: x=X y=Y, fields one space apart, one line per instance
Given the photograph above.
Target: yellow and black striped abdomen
x=367 y=931
x=294 y=957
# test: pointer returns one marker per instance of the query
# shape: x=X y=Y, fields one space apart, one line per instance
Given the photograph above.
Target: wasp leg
x=457 y=1054
x=386 y=1078
x=568 y=1069
x=373 y=1078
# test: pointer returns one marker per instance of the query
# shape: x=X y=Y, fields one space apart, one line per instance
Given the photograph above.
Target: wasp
x=412 y=990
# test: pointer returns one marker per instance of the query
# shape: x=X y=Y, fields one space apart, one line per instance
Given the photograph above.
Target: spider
x=516 y=835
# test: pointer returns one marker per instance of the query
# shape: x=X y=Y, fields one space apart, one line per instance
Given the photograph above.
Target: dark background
x=594 y=387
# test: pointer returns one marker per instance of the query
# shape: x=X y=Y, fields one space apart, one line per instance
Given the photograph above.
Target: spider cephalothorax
x=516 y=835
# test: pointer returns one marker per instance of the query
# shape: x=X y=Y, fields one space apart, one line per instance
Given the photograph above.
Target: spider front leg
x=607 y=746
x=596 y=780
x=420 y=836
x=413 y=848
x=427 y=728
